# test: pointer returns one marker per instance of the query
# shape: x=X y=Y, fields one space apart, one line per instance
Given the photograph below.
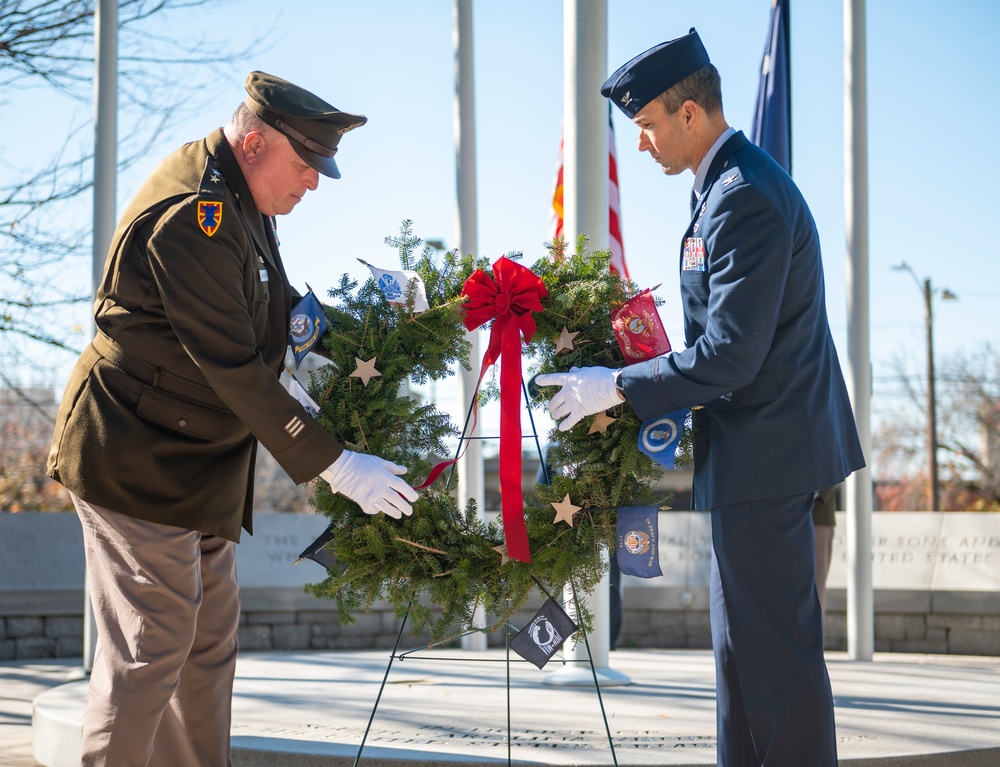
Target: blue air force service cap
x=312 y=126
x=651 y=73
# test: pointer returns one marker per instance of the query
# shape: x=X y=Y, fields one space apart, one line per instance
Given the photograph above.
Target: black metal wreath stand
x=396 y=655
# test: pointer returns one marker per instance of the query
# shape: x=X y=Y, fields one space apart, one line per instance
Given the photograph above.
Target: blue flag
x=638 y=546
x=658 y=437
x=308 y=325
x=771 y=129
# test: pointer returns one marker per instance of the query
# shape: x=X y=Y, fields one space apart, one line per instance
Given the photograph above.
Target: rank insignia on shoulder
x=213 y=182
x=209 y=216
x=730 y=179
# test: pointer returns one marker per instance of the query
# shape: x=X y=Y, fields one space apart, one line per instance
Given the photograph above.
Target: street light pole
x=933 y=500
x=933 y=495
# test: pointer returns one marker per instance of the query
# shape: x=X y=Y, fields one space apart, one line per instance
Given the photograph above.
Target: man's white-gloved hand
x=372 y=482
x=585 y=391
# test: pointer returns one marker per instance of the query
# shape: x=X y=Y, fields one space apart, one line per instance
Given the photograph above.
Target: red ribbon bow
x=508 y=300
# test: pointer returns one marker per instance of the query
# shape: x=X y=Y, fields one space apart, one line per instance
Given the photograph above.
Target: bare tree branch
x=968 y=424
x=50 y=44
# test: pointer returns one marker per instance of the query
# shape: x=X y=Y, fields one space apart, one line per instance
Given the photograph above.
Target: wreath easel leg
x=385 y=677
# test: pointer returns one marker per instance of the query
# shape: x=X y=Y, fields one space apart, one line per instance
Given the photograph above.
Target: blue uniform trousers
x=774 y=703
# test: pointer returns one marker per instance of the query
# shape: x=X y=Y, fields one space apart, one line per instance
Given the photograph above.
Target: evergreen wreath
x=442 y=562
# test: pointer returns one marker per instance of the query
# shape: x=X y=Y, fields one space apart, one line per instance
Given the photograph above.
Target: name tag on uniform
x=263 y=275
x=694 y=255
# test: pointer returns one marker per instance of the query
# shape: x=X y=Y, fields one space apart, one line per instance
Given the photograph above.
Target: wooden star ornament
x=565 y=340
x=601 y=423
x=502 y=551
x=365 y=370
x=565 y=511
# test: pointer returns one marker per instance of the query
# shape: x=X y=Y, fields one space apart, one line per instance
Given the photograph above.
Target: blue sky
x=932 y=110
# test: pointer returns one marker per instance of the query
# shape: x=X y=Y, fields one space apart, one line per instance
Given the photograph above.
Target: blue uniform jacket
x=776 y=419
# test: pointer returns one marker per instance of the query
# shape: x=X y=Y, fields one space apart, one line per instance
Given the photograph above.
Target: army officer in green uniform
x=158 y=429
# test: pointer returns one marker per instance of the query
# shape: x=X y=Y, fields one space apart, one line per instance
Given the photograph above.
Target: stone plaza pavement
x=446 y=707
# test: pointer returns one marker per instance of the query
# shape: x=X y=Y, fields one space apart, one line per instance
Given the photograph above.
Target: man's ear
x=253 y=144
x=691 y=113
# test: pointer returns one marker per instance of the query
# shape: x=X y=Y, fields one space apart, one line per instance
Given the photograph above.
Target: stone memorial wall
x=936 y=578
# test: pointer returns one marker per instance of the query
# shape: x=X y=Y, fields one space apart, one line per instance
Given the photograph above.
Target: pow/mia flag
x=317 y=552
x=638 y=547
x=544 y=635
x=308 y=325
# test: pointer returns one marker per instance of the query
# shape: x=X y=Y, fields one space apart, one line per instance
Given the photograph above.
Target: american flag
x=614 y=211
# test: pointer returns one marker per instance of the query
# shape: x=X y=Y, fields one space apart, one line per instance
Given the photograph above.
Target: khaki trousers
x=167 y=609
x=824 y=555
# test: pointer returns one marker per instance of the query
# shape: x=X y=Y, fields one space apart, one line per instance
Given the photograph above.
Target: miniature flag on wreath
x=637 y=326
x=316 y=551
x=395 y=283
x=298 y=391
x=638 y=541
x=659 y=437
x=641 y=336
x=308 y=325
x=544 y=635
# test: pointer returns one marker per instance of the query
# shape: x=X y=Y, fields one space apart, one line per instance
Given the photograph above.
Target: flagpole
x=105 y=190
x=470 y=465
x=860 y=598
x=585 y=211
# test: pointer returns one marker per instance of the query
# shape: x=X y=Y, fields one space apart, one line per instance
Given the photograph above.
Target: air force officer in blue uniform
x=772 y=420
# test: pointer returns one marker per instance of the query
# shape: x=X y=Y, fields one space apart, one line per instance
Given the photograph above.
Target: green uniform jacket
x=163 y=411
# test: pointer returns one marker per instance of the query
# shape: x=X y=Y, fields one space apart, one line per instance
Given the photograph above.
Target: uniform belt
x=155 y=376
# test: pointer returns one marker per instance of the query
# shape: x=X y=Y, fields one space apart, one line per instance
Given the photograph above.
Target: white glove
x=585 y=391
x=372 y=482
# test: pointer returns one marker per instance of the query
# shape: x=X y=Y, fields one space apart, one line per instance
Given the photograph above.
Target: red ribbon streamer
x=508 y=300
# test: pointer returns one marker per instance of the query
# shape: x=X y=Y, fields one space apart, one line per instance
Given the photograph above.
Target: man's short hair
x=704 y=88
x=244 y=121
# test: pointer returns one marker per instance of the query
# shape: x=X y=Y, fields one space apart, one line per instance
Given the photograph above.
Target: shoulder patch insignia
x=209 y=216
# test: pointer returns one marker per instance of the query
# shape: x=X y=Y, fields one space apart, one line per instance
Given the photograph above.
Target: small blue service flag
x=658 y=437
x=308 y=325
x=638 y=545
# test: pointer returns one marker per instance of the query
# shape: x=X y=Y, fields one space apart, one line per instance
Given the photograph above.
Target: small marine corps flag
x=638 y=547
x=637 y=326
x=544 y=635
x=395 y=286
x=308 y=325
